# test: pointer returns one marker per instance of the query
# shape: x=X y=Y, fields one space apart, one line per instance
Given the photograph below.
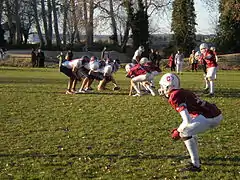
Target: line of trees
x=70 y=20
x=75 y=21
x=227 y=31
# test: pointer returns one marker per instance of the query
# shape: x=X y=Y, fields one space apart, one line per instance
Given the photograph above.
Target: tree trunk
x=75 y=21
x=37 y=23
x=10 y=23
x=50 y=30
x=45 y=25
x=65 y=5
x=18 y=26
x=114 y=26
x=90 y=25
x=128 y=25
x=58 y=41
x=85 y=15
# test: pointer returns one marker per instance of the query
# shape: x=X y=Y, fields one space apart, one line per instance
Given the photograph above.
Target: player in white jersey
x=111 y=67
x=138 y=55
x=70 y=68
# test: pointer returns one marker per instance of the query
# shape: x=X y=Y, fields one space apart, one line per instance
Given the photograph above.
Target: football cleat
x=211 y=95
x=190 y=167
x=205 y=90
x=81 y=91
x=136 y=95
x=69 y=92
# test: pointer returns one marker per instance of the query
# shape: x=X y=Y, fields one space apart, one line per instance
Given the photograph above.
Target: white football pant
x=200 y=124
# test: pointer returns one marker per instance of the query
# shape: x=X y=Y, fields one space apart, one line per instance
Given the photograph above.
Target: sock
x=151 y=90
x=211 y=87
x=191 y=145
x=206 y=83
x=136 y=88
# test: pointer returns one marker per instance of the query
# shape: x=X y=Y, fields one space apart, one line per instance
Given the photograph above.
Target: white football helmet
x=212 y=48
x=197 y=55
x=94 y=65
x=107 y=70
x=167 y=83
x=203 y=47
x=141 y=48
x=128 y=67
x=143 y=60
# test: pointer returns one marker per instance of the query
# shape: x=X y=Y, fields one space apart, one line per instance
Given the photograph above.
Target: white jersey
x=73 y=63
x=137 y=53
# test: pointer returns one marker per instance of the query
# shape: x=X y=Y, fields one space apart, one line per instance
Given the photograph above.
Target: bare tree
x=50 y=30
x=55 y=18
x=65 y=16
x=36 y=18
x=9 y=14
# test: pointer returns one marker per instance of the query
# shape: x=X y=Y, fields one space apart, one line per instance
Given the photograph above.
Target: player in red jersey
x=197 y=116
x=216 y=57
x=209 y=58
x=142 y=73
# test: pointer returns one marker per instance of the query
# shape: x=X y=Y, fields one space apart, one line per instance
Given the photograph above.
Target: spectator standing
x=171 y=62
x=61 y=59
x=158 y=58
x=193 y=61
x=138 y=55
x=1 y=53
x=153 y=56
x=179 y=60
x=33 y=57
x=40 y=58
x=69 y=55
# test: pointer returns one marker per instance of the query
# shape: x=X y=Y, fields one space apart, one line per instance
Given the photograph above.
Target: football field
x=46 y=134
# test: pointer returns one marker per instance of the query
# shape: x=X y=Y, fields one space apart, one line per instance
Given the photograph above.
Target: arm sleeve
x=186 y=119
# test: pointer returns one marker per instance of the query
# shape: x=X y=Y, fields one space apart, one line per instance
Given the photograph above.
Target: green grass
x=45 y=134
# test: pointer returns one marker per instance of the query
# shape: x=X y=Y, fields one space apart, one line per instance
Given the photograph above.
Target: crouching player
x=141 y=73
x=93 y=67
x=70 y=68
x=111 y=67
x=197 y=116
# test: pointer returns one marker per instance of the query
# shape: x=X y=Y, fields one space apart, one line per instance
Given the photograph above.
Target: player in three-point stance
x=197 y=116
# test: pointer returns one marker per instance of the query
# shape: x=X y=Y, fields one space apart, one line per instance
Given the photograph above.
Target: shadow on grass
x=28 y=80
x=225 y=93
x=221 y=161
x=96 y=156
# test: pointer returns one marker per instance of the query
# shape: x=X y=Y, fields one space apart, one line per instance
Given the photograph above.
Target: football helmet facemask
x=167 y=83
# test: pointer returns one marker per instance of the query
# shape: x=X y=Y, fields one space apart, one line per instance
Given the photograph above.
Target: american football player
x=94 y=73
x=141 y=73
x=216 y=57
x=111 y=67
x=137 y=55
x=70 y=69
x=209 y=58
x=197 y=116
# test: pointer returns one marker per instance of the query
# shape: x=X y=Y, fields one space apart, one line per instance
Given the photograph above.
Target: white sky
x=206 y=19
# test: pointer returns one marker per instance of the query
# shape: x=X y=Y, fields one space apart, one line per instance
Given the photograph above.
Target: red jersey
x=181 y=99
x=210 y=58
x=170 y=61
x=137 y=70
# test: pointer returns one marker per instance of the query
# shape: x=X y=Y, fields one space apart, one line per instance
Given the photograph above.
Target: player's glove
x=175 y=134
